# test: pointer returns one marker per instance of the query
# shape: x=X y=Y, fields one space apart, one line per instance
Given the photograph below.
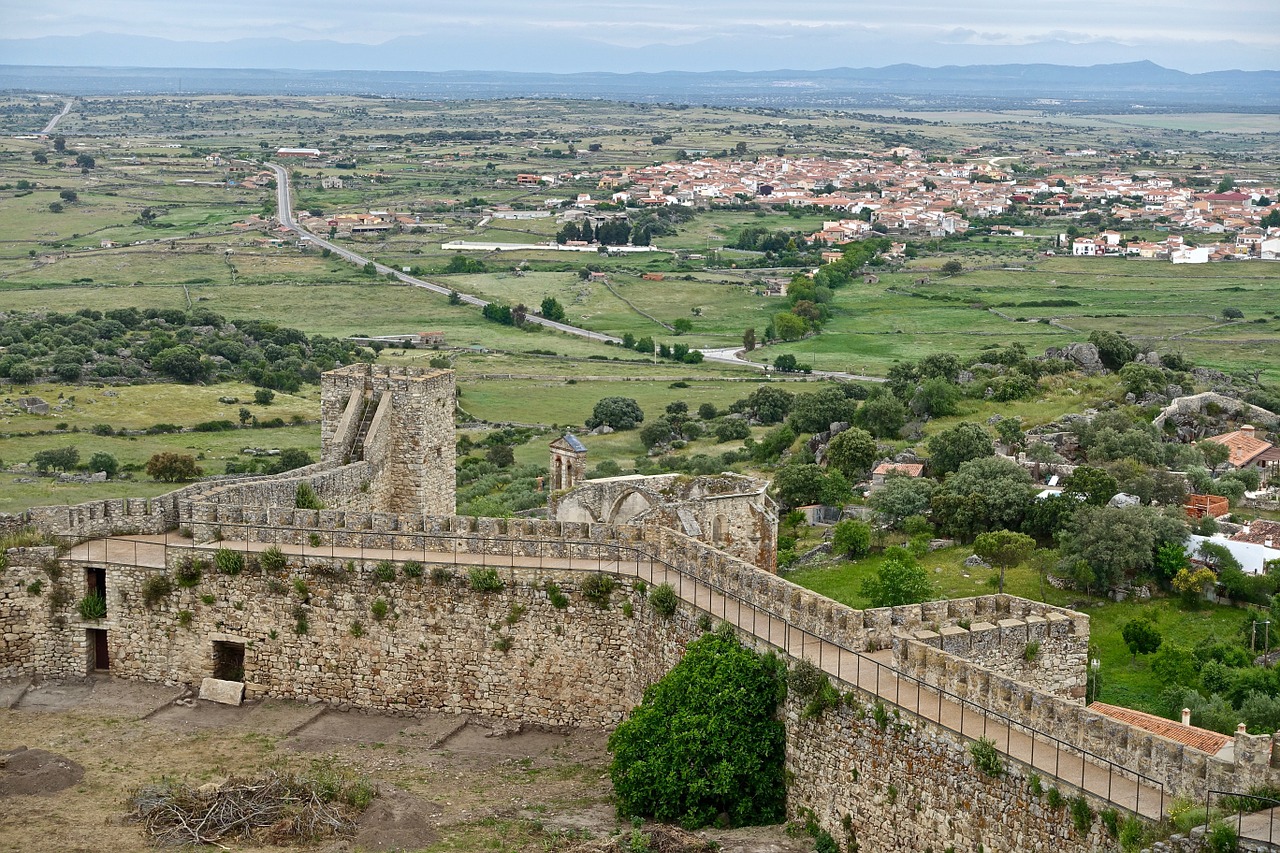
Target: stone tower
x=568 y=462
x=398 y=420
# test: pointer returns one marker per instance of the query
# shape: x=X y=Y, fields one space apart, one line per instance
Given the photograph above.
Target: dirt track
x=447 y=782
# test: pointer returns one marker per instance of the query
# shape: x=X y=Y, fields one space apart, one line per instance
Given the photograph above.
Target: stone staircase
x=368 y=408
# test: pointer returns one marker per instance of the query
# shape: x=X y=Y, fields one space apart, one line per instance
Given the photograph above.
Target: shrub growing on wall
x=228 y=562
x=706 y=739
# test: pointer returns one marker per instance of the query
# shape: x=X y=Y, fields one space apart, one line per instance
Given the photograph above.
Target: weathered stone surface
x=1082 y=355
x=223 y=692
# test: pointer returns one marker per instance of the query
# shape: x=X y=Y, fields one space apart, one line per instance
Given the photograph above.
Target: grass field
x=212 y=450
x=1162 y=306
x=141 y=406
x=563 y=403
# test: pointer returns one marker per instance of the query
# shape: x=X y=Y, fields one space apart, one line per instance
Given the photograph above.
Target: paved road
x=734 y=355
x=53 y=122
x=284 y=206
x=873 y=673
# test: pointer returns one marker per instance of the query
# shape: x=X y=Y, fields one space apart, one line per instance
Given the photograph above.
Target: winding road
x=284 y=207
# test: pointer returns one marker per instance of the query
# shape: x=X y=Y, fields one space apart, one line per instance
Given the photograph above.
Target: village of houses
x=902 y=193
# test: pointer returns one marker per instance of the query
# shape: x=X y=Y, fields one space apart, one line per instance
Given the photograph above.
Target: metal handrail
x=1240 y=813
x=639 y=555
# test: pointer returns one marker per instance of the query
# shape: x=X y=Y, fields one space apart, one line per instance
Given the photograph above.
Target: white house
x=1252 y=556
x=1197 y=255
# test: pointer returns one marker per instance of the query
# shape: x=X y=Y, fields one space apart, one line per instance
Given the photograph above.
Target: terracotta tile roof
x=1196 y=738
x=1243 y=444
x=911 y=469
x=1259 y=531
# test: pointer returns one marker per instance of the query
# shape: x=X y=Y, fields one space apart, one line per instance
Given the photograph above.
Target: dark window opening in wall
x=95 y=582
x=228 y=661
x=99 y=653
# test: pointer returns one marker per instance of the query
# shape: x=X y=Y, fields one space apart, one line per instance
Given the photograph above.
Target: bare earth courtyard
x=446 y=782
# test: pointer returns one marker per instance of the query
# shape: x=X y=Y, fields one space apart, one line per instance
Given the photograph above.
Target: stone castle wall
x=39 y=634
x=440 y=649
x=1047 y=652
x=913 y=786
x=310 y=634
x=1181 y=769
x=346 y=484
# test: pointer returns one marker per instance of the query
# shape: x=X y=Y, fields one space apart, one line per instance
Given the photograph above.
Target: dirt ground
x=70 y=751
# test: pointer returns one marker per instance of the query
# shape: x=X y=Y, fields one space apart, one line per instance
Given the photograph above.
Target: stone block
x=224 y=692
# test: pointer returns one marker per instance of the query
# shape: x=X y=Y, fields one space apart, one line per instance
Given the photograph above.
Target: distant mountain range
x=1124 y=86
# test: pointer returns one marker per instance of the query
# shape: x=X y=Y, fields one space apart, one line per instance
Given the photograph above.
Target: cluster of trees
x=757 y=238
x=611 y=232
x=810 y=298
x=491 y=484
x=68 y=459
x=676 y=352
x=505 y=314
x=1216 y=678
x=182 y=346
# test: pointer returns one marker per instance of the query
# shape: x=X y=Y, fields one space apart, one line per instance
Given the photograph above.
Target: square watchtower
x=398 y=420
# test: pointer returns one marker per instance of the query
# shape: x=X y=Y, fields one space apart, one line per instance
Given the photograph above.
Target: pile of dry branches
x=657 y=838
x=279 y=808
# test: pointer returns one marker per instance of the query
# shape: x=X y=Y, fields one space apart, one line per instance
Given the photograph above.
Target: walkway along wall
x=1183 y=771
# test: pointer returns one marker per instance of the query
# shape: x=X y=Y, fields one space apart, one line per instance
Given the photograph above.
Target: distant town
x=905 y=192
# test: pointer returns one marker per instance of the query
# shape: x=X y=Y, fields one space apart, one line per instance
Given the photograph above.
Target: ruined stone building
x=728 y=511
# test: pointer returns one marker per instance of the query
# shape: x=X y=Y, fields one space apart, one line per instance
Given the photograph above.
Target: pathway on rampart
x=872 y=673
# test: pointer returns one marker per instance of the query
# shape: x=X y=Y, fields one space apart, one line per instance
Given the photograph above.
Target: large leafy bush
x=706 y=740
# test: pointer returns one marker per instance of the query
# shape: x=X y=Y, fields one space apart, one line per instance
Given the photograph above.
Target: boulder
x=973 y=561
x=1083 y=355
x=1123 y=500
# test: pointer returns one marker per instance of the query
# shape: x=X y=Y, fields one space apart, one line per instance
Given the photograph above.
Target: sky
x=610 y=35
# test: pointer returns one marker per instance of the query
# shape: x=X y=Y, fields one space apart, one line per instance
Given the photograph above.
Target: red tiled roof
x=1196 y=738
x=1259 y=531
x=1243 y=444
x=911 y=469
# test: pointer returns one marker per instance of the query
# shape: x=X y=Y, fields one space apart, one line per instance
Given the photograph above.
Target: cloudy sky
x=567 y=35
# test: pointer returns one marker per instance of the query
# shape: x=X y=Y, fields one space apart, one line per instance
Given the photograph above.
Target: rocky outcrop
x=1083 y=355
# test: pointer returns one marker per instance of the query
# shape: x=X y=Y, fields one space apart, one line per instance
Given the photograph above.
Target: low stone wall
x=859 y=630
x=1048 y=653
x=1182 y=770
x=332 y=483
x=913 y=786
x=118 y=516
